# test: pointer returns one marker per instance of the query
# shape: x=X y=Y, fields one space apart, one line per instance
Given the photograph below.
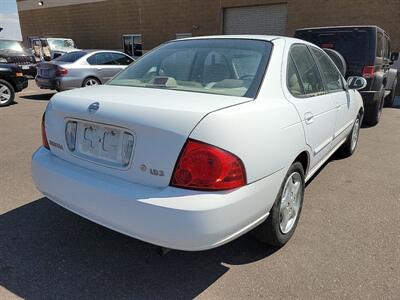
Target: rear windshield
x=232 y=67
x=353 y=45
x=71 y=57
x=10 y=45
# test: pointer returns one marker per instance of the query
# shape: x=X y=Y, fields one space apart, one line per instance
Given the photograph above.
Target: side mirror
x=394 y=56
x=356 y=82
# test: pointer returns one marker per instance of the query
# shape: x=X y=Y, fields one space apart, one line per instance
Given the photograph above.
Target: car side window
x=103 y=58
x=122 y=59
x=294 y=84
x=331 y=75
x=388 y=50
x=308 y=70
x=379 y=45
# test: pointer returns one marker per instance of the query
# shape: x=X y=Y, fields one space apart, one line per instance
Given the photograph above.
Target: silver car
x=80 y=68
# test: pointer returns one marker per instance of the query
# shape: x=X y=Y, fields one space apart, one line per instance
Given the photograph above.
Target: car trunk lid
x=159 y=122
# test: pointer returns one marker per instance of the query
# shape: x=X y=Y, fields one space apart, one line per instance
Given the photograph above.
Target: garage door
x=266 y=19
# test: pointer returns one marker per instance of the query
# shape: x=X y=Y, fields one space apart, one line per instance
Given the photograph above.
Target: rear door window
x=122 y=59
x=103 y=58
x=331 y=75
x=71 y=57
x=294 y=84
x=308 y=70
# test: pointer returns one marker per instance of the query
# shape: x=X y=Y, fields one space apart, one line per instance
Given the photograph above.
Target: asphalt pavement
x=346 y=246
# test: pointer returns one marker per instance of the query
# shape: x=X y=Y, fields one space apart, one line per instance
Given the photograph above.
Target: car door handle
x=308 y=118
x=338 y=107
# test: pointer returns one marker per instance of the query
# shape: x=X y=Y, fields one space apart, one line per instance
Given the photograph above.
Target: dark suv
x=366 y=50
x=12 y=80
x=11 y=52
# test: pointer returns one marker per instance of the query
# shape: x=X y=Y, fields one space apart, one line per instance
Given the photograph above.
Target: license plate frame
x=101 y=143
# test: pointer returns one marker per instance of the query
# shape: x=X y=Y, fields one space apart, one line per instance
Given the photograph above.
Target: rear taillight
x=61 y=71
x=44 y=136
x=205 y=167
x=368 y=71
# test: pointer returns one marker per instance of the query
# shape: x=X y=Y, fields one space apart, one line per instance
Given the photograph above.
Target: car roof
x=268 y=38
x=94 y=51
x=344 y=26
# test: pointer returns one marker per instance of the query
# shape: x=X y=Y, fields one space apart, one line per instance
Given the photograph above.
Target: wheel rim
x=355 y=134
x=5 y=93
x=290 y=202
x=91 y=82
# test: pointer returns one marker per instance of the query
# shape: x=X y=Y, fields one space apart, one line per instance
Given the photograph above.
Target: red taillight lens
x=61 y=71
x=44 y=136
x=368 y=71
x=205 y=167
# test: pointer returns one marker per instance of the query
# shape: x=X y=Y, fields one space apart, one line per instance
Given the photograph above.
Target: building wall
x=101 y=24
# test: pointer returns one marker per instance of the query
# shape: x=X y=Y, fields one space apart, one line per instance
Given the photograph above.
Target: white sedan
x=200 y=141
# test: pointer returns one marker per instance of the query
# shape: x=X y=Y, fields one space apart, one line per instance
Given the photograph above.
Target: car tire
x=373 y=116
x=90 y=81
x=389 y=101
x=7 y=93
x=273 y=230
x=349 y=147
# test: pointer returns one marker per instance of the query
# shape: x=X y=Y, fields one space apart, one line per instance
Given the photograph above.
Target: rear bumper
x=169 y=217
x=60 y=83
x=45 y=83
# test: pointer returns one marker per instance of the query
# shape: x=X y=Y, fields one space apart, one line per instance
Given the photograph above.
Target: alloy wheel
x=5 y=94
x=91 y=82
x=290 y=202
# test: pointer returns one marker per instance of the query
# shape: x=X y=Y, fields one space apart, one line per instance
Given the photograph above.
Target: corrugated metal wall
x=264 y=19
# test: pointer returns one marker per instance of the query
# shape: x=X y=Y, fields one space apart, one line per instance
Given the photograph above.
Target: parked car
x=367 y=52
x=200 y=141
x=11 y=52
x=80 y=69
x=12 y=80
x=50 y=48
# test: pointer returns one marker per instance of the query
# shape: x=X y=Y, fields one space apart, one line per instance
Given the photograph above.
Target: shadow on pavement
x=38 y=97
x=48 y=252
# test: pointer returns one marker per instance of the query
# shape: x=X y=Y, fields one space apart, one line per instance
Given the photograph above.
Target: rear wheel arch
x=304 y=159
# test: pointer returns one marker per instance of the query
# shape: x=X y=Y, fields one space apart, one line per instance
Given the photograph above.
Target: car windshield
x=71 y=57
x=61 y=43
x=232 y=67
x=352 y=45
x=10 y=45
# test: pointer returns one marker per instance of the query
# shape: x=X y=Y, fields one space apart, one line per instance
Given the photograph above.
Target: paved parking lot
x=347 y=244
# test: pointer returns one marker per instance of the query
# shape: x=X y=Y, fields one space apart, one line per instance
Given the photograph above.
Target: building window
x=132 y=44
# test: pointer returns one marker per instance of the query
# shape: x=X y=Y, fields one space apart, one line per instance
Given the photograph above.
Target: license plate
x=25 y=67
x=43 y=73
x=104 y=144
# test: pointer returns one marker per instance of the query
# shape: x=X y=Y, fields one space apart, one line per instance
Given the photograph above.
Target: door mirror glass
x=356 y=82
x=394 y=56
